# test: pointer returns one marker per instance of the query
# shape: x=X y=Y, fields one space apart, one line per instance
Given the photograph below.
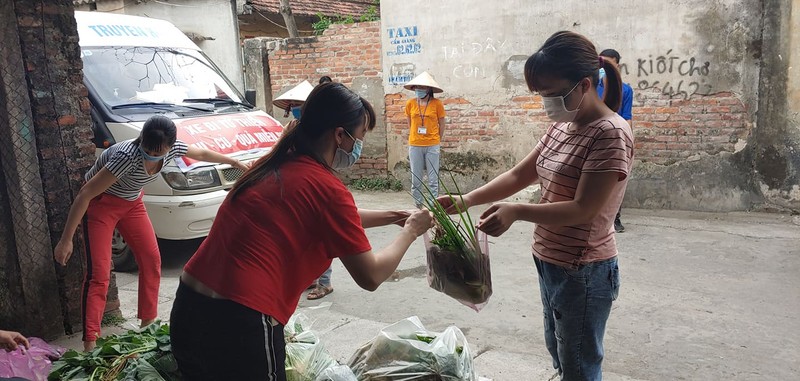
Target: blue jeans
x=422 y=158
x=325 y=278
x=576 y=307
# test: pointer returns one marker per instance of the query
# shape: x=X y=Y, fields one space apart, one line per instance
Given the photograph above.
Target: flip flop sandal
x=319 y=292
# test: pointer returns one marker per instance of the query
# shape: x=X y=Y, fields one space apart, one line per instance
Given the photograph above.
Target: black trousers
x=215 y=339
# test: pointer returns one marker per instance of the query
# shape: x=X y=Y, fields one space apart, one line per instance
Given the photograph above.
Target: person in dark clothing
x=625 y=110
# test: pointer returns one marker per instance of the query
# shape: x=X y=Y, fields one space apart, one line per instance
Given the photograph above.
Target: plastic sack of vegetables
x=460 y=270
x=306 y=358
x=457 y=253
x=406 y=351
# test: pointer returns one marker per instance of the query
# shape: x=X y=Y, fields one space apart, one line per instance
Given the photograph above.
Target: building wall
x=696 y=69
x=349 y=54
x=715 y=112
x=48 y=113
x=777 y=154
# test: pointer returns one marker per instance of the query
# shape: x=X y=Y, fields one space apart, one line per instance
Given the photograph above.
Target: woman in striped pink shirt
x=582 y=162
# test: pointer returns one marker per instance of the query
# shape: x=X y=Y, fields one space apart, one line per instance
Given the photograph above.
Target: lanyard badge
x=422 y=130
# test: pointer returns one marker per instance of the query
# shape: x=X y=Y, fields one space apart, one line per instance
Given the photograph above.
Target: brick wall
x=468 y=122
x=343 y=52
x=60 y=109
x=669 y=130
x=666 y=129
x=348 y=53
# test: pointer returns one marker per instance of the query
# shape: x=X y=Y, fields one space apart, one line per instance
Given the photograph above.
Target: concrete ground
x=704 y=297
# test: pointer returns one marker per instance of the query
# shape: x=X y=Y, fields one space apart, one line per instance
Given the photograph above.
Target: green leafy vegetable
x=141 y=355
x=458 y=237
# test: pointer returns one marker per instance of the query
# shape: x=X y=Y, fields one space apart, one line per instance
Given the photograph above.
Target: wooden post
x=288 y=18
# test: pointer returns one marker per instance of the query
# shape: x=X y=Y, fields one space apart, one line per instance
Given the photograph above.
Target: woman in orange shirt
x=426 y=123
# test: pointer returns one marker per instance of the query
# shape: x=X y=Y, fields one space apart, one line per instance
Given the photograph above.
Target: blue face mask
x=602 y=73
x=343 y=159
x=421 y=93
x=149 y=157
x=296 y=112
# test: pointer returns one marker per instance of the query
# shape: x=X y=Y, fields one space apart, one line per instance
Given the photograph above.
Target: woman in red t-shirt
x=277 y=231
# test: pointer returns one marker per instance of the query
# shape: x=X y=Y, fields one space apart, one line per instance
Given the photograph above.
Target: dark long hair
x=571 y=56
x=157 y=133
x=611 y=53
x=330 y=105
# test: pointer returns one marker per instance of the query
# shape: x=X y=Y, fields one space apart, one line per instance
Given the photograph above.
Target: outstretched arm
x=370 y=269
x=202 y=154
x=374 y=218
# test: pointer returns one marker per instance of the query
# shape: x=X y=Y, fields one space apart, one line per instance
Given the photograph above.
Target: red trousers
x=105 y=213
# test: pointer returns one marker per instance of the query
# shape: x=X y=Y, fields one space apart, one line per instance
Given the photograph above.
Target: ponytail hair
x=612 y=96
x=571 y=56
x=330 y=105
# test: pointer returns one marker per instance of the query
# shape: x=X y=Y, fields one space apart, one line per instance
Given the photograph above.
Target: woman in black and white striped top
x=112 y=199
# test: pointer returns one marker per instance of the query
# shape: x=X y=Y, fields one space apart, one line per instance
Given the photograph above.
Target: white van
x=136 y=67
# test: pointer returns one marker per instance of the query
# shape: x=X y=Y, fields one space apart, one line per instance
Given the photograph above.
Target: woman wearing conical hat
x=426 y=123
x=292 y=101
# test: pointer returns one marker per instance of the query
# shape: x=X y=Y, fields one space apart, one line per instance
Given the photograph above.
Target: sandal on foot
x=319 y=292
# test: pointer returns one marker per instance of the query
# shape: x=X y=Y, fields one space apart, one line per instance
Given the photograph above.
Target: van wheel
x=121 y=254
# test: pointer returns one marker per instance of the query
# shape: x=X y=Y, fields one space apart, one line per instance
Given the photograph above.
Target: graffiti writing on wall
x=466 y=51
x=404 y=41
x=477 y=48
x=400 y=74
x=688 y=76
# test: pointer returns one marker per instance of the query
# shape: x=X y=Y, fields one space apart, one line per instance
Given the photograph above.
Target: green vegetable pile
x=456 y=237
x=141 y=355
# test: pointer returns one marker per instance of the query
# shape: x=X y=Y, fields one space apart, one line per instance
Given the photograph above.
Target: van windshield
x=137 y=75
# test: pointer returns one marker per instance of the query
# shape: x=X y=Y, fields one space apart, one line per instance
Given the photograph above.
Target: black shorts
x=215 y=339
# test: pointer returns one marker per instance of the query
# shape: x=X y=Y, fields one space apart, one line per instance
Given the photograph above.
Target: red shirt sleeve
x=341 y=225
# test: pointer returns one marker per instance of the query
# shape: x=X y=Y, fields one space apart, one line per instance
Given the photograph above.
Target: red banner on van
x=228 y=134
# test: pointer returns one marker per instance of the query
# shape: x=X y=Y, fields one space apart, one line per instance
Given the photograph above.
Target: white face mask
x=556 y=109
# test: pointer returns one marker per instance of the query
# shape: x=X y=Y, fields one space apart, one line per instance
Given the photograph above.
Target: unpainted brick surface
x=666 y=129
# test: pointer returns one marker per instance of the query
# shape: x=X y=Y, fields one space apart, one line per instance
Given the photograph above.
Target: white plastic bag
x=337 y=373
x=406 y=351
x=465 y=278
x=306 y=358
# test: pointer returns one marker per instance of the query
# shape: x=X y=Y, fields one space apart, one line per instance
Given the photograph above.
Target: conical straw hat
x=424 y=79
x=298 y=93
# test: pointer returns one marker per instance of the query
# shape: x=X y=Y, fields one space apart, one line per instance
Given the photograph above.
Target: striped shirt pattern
x=565 y=153
x=126 y=163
